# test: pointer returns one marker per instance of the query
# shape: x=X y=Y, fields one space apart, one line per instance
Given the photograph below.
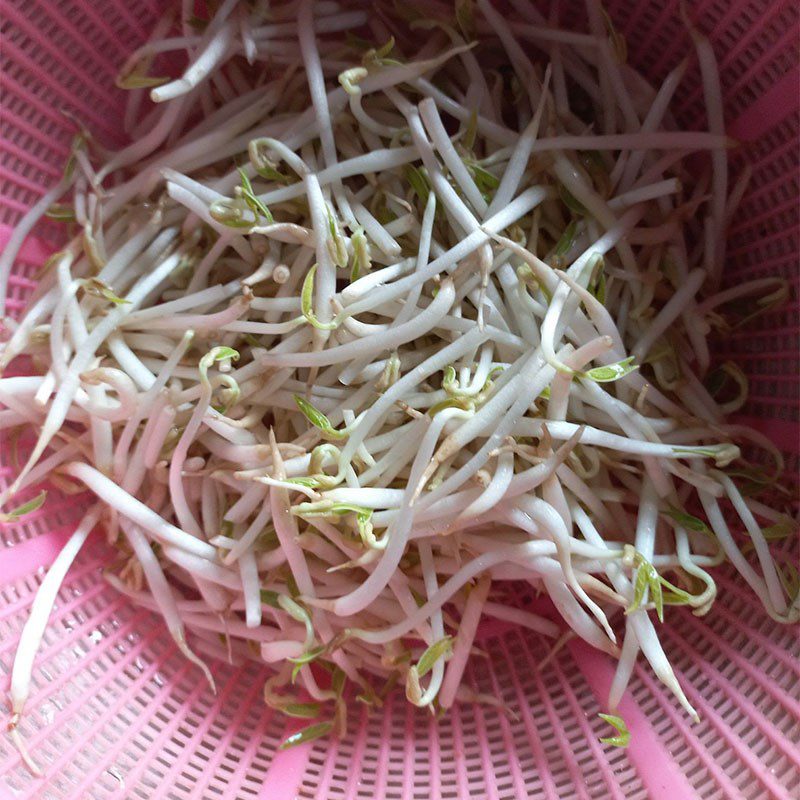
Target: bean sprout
x=341 y=350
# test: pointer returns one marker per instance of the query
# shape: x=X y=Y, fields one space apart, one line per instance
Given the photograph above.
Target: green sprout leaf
x=26 y=508
x=440 y=649
x=420 y=183
x=597 y=286
x=327 y=508
x=231 y=213
x=783 y=529
x=336 y=244
x=220 y=354
x=317 y=418
x=61 y=212
x=449 y=383
x=611 y=372
x=257 y=150
x=135 y=76
x=790 y=579
x=723 y=454
x=464 y=403
x=270 y=598
x=302 y=710
x=311 y=655
x=214 y=355
x=390 y=373
x=361 y=259
x=486 y=181
x=468 y=140
x=619 y=47
x=465 y=17
x=378 y=58
x=338 y=681
x=309 y=734
x=309 y=481
x=758 y=300
x=624 y=737
x=306 y=303
x=251 y=199
x=564 y=244
x=97 y=288
x=134 y=81
x=571 y=202
x=306 y=658
x=647 y=580
x=688 y=521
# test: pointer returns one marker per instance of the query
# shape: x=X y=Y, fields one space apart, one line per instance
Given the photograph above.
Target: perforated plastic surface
x=117 y=712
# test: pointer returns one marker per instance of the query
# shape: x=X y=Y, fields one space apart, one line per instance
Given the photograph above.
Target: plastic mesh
x=116 y=712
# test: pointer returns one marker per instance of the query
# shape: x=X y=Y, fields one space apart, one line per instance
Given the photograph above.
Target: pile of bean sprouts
x=382 y=311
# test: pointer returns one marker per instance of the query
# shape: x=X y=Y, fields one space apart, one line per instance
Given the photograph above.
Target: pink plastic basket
x=117 y=712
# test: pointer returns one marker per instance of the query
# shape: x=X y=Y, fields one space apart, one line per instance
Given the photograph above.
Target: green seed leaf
x=362 y=259
x=386 y=48
x=218 y=354
x=251 y=199
x=231 y=213
x=566 y=241
x=134 y=81
x=598 y=285
x=26 y=508
x=624 y=737
x=464 y=403
x=465 y=17
x=722 y=454
x=656 y=593
x=302 y=710
x=308 y=734
x=617 y=41
x=611 y=372
x=364 y=523
x=783 y=529
x=307 y=480
x=790 y=579
x=317 y=418
x=338 y=681
x=441 y=649
x=646 y=575
x=308 y=657
x=198 y=23
x=97 y=288
x=485 y=181
x=688 y=521
x=418 y=178
x=61 y=212
x=672 y=595
x=257 y=150
x=471 y=132
x=326 y=508
x=336 y=244
x=570 y=201
x=270 y=598
x=449 y=380
x=306 y=303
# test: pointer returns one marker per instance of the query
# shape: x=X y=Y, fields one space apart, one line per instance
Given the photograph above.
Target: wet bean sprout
x=383 y=311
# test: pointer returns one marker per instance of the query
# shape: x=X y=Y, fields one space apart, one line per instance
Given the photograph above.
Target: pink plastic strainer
x=117 y=712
